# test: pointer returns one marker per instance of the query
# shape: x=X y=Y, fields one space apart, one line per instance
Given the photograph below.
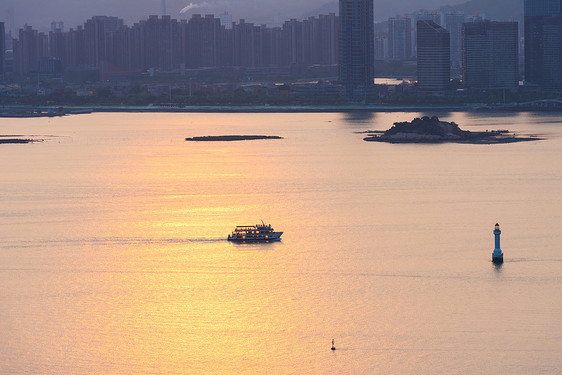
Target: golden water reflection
x=116 y=260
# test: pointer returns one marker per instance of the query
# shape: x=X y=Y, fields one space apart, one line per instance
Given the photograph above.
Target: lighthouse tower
x=497 y=255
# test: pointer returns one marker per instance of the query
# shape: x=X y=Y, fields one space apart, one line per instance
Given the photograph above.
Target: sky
x=40 y=13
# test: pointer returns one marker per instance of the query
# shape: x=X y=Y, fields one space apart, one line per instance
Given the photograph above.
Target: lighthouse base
x=497 y=256
x=497 y=260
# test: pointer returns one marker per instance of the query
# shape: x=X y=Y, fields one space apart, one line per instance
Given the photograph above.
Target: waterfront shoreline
x=47 y=111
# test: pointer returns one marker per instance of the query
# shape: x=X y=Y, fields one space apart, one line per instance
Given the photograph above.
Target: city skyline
x=166 y=44
x=73 y=13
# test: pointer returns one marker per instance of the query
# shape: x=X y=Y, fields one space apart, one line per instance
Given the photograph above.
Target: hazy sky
x=40 y=13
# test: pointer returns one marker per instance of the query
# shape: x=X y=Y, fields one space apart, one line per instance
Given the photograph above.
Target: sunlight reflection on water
x=115 y=260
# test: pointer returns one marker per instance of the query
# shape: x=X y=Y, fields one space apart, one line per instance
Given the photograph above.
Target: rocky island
x=432 y=130
x=5 y=140
x=222 y=138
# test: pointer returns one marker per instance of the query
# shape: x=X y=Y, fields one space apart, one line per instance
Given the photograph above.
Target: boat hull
x=275 y=236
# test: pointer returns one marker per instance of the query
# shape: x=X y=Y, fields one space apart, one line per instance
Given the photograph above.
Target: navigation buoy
x=333 y=345
x=497 y=255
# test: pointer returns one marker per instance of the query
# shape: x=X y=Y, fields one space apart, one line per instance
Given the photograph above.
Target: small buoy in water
x=333 y=346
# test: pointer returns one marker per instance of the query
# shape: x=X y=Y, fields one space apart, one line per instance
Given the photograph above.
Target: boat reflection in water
x=254 y=233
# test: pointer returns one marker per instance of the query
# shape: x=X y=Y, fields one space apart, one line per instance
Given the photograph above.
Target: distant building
x=423 y=15
x=490 y=55
x=538 y=14
x=552 y=54
x=74 y=54
x=292 y=40
x=476 y=18
x=50 y=65
x=399 y=38
x=320 y=40
x=453 y=23
x=434 y=57
x=356 y=46
x=28 y=49
x=381 y=47
x=57 y=26
x=202 y=37
x=2 y=50
x=164 y=45
x=244 y=48
x=226 y=20
x=10 y=25
x=95 y=30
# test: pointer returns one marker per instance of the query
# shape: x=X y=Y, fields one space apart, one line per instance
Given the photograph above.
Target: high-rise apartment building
x=293 y=41
x=203 y=41
x=162 y=44
x=95 y=30
x=453 y=23
x=399 y=38
x=490 y=55
x=434 y=57
x=537 y=13
x=29 y=48
x=356 y=47
x=320 y=35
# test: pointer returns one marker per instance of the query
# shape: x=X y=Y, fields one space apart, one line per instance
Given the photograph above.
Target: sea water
x=114 y=259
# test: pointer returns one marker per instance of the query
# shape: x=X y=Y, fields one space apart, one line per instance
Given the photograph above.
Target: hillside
x=500 y=10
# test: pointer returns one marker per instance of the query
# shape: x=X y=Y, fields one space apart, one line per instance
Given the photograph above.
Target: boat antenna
x=263 y=223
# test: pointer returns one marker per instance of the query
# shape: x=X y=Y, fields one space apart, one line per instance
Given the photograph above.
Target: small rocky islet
x=229 y=138
x=8 y=139
x=432 y=130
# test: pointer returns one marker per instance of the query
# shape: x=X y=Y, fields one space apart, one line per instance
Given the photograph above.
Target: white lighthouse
x=497 y=255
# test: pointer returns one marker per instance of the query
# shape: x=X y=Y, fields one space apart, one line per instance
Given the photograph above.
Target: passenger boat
x=254 y=233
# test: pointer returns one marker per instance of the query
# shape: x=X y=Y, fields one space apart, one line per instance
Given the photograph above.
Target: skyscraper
x=434 y=56
x=453 y=23
x=423 y=15
x=2 y=50
x=536 y=13
x=399 y=38
x=356 y=42
x=490 y=55
x=552 y=54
